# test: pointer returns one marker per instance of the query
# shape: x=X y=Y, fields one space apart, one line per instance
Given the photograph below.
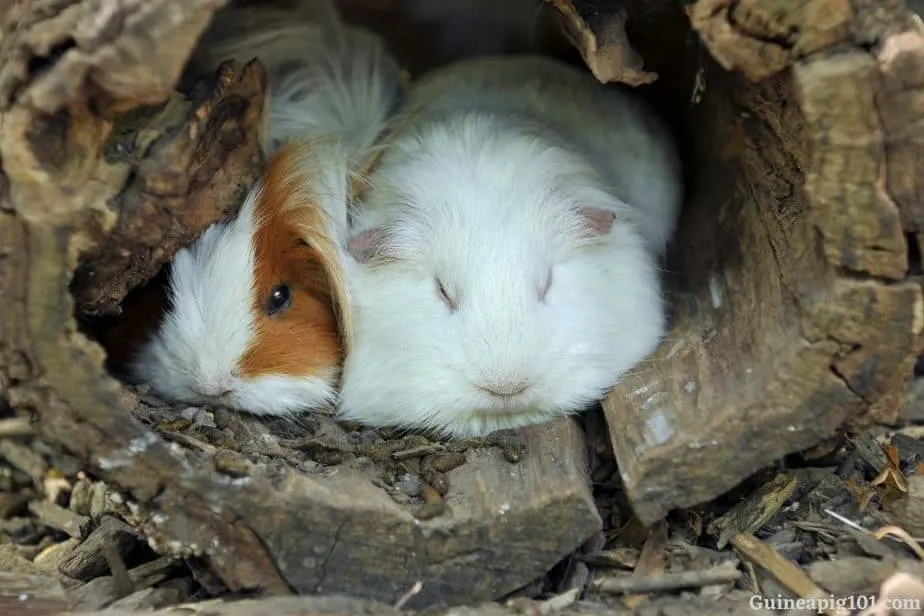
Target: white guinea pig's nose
x=505 y=386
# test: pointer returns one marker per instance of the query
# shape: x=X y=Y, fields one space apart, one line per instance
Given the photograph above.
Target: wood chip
x=604 y=44
x=668 y=581
x=15 y=426
x=870 y=452
x=753 y=512
x=101 y=592
x=122 y=583
x=850 y=575
x=59 y=518
x=651 y=561
x=24 y=458
x=618 y=558
x=88 y=561
x=784 y=571
x=909 y=510
x=148 y=599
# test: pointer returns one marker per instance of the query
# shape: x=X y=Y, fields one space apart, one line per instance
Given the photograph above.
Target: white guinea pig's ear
x=595 y=222
x=368 y=244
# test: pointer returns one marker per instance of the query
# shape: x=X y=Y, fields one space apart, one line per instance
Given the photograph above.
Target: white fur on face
x=488 y=211
x=194 y=356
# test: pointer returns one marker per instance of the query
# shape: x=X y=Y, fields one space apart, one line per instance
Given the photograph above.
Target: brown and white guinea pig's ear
x=297 y=291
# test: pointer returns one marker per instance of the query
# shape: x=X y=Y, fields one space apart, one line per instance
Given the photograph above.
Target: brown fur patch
x=292 y=246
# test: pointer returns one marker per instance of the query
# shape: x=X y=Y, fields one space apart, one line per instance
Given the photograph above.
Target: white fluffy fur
x=479 y=188
x=334 y=94
x=196 y=352
x=326 y=78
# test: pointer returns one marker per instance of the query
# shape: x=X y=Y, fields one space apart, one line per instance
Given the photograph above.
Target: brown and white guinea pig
x=254 y=304
x=258 y=316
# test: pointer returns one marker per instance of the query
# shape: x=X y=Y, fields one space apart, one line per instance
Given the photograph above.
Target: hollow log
x=796 y=306
x=796 y=290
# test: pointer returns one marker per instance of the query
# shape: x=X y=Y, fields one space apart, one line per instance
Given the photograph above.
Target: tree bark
x=796 y=294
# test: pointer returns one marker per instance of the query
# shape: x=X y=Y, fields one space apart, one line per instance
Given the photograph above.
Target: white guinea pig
x=258 y=316
x=507 y=253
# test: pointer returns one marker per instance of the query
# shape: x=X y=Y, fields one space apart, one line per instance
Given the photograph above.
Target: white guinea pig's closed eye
x=544 y=289
x=444 y=295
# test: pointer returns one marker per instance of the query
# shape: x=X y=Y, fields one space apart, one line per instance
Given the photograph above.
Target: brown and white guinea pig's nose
x=214 y=388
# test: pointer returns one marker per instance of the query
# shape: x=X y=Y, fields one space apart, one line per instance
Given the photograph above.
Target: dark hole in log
x=37 y=64
x=915 y=266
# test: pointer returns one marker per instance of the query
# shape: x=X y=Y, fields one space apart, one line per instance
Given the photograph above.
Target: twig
x=668 y=581
x=558 y=602
x=894 y=533
x=188 y=441
x=59 y=518
x=418 y=585
x=25 y=459
x=15 y=426
x=122 y=583
x=903 y=535
x=752 y=513
x=846 y=521
x=771 y=561
x=153 y=572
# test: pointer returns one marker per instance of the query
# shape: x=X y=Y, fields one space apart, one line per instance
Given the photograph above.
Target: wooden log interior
x=795 y=304
x=796 y=308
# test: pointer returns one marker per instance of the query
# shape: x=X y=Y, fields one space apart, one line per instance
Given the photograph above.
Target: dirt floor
x=835 y=521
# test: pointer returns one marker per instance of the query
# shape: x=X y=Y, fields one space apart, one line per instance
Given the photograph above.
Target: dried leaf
x=894 y=486
x=861 y=494
x=604 y=45
x=892 y=453
x=900 y=533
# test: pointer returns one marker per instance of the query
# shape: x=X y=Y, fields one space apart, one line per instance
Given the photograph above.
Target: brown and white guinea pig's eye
x=280 y=298
x=447 y=299
x=546 y=285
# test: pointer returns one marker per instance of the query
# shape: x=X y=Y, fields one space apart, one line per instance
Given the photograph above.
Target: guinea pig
x=258 y=317
x=325 y=77
x=255 y=319
x=505 y=258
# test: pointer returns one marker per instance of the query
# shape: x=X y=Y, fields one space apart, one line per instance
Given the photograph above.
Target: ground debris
x=756 y=510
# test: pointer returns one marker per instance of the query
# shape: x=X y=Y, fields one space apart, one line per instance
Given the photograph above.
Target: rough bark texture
x=97 y=184
x=794 y=310
x=797 y=307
